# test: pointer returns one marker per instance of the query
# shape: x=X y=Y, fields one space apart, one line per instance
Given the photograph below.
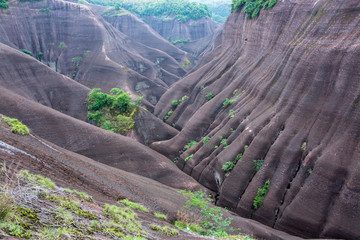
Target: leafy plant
x=252 y=7
x=62 y=46
x=186 y=63
x=206 y=139
x=45 y=10
x=190 y=144
x=188 y=157
x=26 y=52
x=231 y=113
x=17 y=126
x=228 y=166
x=261 y=193
x=113 y=112
x=175 y=103
x=181 y=41
x=213 y=221
x=258 y=164
x=228 y=102
x=209 y=96
x=168 y=114
x=303 y=145
x=4 y=4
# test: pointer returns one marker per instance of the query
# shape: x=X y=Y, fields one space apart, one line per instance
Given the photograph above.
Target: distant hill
x=220 y=9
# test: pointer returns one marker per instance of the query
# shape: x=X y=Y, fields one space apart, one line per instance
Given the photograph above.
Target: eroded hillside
x=267 y=120
x=276 y=106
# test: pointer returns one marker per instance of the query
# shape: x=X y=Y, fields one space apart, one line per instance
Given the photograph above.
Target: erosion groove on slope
x=296 y=67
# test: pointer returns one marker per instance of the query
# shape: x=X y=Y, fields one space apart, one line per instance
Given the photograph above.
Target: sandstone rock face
x=293 y=75
x=174 y=30
x=74 y=40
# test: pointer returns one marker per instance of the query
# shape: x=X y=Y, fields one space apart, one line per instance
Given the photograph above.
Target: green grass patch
x=159 y=215
x=168 y=231
x=17 y=126
x=133 y=205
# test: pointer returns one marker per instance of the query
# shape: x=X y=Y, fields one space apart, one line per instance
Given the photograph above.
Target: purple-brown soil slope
x=77 y=42
x=293 y=74
x=105 y=183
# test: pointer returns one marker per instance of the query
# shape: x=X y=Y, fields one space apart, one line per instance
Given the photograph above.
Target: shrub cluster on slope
x=16 y=126
x=252 y=7
x=212 y=222
x=33 y=207
x=4 y=4
x=113 y=112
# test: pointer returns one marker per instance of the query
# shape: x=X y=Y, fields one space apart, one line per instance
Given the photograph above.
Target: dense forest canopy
x=220 y=8
x=252 y=7
x=183 y=10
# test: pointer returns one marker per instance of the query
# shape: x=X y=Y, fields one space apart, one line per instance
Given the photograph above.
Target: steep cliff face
x=174 y=30
x=74 y=40
x=291 y=79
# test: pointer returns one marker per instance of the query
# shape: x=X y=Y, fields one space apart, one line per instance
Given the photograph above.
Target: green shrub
x=17 y=126
x=260 y=196
x=26 y=52
x=175 y=103
x=183 y=99
x=168 y=114
x=188 y=158
x=190 y=144
x=4 y=4
x=113 y=112
x=62 y=46
x=133 y=205
x=209 y=96
x=206 y=139
x=181 y=41
x=258 y=164
x=213 y=221
x=252 y=7
x=186 y=63
x=228 y=166
x=228 y=102
x=231 y=113
x=45 y=10
x=303 y=145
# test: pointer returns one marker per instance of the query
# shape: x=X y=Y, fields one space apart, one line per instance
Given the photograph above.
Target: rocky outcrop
x=290 y=78
x=173 y=29
x=74 y=40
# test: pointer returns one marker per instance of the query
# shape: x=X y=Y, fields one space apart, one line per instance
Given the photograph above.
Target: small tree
x=213 y=221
